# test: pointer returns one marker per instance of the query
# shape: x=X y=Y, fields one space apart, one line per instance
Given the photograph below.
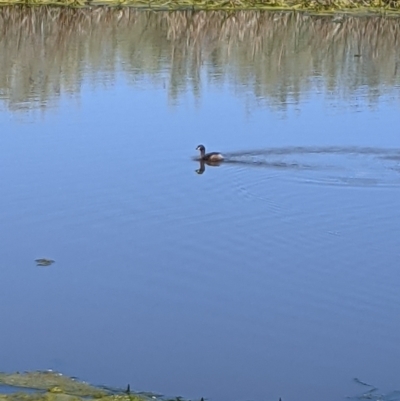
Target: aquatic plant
x=54 y=386
x=53 y=382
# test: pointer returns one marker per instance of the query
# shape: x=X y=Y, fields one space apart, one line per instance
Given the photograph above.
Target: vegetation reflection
x=276 y=57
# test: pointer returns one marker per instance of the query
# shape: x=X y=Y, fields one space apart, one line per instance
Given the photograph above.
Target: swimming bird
x=212 y=156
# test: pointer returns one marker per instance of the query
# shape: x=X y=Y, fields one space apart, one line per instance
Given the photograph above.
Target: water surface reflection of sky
x=245 y=282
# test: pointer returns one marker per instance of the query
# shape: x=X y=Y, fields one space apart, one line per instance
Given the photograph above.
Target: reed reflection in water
x=280 y=56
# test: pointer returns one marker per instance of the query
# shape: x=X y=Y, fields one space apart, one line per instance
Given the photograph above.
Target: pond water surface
x=275 y=274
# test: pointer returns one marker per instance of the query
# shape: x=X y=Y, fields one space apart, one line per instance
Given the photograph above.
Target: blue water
x=272 y=275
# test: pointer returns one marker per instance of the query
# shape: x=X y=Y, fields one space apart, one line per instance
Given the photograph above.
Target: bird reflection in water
x=203 y=164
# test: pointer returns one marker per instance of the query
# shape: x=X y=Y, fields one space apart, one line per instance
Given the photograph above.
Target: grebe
x=212 y=156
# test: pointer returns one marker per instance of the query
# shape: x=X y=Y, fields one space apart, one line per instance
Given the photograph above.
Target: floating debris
x=44 y=262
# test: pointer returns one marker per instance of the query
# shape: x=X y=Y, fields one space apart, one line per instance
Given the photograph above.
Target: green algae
x=59 y=396
x=48 y=396
x=54 y=383
x=53 y=386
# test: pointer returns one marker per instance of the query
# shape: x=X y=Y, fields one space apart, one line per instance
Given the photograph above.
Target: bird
x=212 y=156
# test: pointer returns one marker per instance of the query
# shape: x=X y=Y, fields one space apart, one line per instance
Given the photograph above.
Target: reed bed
x=278 y=57
x=310 y=5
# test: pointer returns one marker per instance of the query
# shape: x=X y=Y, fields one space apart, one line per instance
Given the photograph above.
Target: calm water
x=275 y=274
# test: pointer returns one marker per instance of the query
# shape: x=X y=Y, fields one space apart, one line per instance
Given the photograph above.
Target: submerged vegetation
x=53 y=386
x=53 y=382
x=271 y=59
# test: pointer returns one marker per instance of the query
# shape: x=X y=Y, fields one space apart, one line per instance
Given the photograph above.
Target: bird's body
x=210 y=157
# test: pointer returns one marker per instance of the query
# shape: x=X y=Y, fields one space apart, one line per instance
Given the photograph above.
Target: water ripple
x=332 y=165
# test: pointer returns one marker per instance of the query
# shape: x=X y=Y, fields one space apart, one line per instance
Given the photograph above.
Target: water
x=272 y=275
